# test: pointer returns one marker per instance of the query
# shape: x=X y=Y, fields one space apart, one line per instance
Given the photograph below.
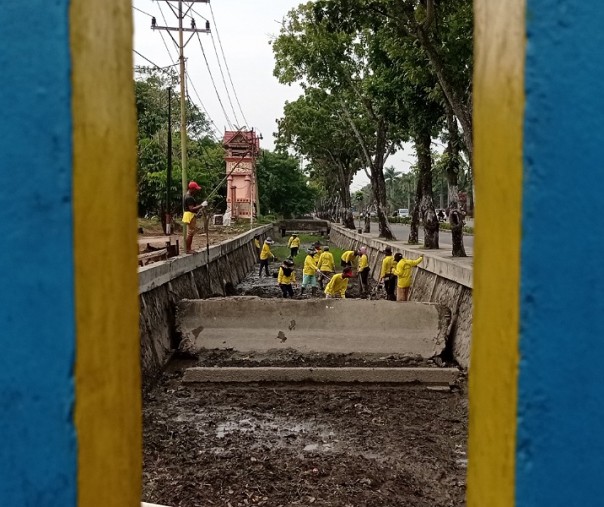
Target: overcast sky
x=245 y=28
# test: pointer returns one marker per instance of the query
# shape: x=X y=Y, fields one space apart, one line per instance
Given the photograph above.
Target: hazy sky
x=245 y=28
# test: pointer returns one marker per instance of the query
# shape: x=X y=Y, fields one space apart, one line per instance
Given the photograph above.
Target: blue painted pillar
x=537 y=380
x=70 y=410
x=560 y=443
x=38 y=457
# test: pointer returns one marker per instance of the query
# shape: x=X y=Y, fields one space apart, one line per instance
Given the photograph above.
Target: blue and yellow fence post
x=537 y=381
x=70 y=416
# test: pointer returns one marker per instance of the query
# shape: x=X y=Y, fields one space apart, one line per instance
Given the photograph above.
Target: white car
x=403 y=213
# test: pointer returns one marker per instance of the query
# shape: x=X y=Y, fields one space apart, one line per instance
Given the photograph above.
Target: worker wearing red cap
x=189 y=216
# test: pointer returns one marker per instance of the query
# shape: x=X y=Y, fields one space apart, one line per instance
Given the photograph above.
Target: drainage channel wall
x=438 y=280
x=163 y=284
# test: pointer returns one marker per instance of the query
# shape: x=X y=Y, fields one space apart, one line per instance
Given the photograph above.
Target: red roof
x=241 y=138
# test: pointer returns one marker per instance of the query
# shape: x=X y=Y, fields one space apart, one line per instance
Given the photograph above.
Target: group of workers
x=319 y=270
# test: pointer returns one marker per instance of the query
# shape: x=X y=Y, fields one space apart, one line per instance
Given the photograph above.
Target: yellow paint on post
x=500 y=43
x=108 y=404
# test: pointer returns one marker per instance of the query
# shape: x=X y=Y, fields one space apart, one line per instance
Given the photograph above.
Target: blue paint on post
x=560 y=442
x=38 y=459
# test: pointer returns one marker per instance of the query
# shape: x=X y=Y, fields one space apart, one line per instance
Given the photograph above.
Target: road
x=402 y=234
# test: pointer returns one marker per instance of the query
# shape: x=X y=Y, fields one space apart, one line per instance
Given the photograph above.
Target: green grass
x=447 y=227
x=281 y=250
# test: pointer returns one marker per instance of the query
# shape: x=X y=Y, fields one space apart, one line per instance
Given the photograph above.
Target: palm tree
x=392 y=177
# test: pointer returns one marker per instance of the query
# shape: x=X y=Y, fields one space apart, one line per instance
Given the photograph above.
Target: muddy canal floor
x=284 y=445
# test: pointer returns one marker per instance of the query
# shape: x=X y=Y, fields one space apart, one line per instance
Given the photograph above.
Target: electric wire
x=226 y=88
x=142 y=11
x=166 y=24
x=204 y=108
x=214 y=83
x=147 y=59
x=226 y=63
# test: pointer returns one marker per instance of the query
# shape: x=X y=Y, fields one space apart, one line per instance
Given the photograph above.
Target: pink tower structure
x=242 y=148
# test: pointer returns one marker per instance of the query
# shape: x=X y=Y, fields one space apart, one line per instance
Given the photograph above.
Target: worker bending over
x=349 y=257
x=265 y=255
x=309 y=273
x=326 y=265
x=287 y=278
x=387 y=275
x=404 y=269
x=338 y=284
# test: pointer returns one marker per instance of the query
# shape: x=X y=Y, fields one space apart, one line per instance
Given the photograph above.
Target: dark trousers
x=287 y=290
x=390 y=287
x=264 y=264
x=293 y=251
x=365 y=278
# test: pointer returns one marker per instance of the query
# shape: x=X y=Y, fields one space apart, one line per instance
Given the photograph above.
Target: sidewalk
x=444 y=253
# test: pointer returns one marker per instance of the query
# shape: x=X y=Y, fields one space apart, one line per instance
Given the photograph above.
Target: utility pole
x=169 y=169
x=180 y=14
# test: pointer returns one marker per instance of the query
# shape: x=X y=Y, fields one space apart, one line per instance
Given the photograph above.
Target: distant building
x=242 y=148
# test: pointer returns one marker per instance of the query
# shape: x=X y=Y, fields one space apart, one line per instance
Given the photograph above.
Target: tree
x=318 y=49
x=312 y=125
x=283 y=187
x=205 y=156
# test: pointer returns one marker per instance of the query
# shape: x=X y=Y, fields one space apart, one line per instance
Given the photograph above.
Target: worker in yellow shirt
x=349 y=257
x=326 y=265
x=265 y=255
x=309 y=273
x=364 y=270
x=287 y=278
x=404 y=271
x=318 y=252
x=387 y=275
x=293 y=244
x=338 y=284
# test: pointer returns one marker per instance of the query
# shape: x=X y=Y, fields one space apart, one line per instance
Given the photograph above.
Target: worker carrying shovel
x=326 y=265
x=310 y=272
x=265 y=255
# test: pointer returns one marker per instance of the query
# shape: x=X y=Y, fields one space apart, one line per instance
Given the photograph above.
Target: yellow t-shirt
x=310 y=267
x=363 y=262
x=404 y=271
x=266 y=252
x=388 y=266
x=348 y=256
x=337 y=286
x=286 y=280
x=326 y=262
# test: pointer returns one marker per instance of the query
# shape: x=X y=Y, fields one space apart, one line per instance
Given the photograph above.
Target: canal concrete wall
x=162 y=285
x=439 y=279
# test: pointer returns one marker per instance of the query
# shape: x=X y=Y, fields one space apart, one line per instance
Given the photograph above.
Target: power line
x=204 y=108
x=142 y=11
x=223 y=80
x=214 y=83
x=147 y=59
x=226 y=64
x=166 y=24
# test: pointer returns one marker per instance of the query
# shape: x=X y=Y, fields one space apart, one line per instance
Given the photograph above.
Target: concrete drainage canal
x=307 y=401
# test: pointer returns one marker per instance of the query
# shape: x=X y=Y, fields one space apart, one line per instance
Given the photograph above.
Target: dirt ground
x=282 y=445
x=152 y=235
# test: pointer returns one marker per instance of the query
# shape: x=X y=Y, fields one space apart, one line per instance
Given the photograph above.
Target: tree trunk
x=414 y=229
x=347 y=218
x=453 y=164
x=367 y=228
x=378 y=182
x=427 y=212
